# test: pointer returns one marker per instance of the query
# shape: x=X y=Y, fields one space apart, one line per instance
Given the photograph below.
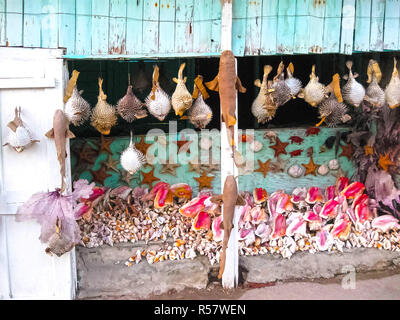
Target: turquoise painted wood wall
x=173 y=28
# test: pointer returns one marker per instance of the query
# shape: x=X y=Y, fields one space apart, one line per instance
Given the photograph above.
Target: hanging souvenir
x=314 y=92
x=392 y=92
x=131 y=158
x=103 y=115
x=77 y=109
x=353 y=91
x=374 y=93
x=264 y=106
x=130 y=107
x=158 y=102
x=181 y=99
x=293 y=83
x=19 y=137
x=200 y=113
x=71 y=85
x=59 y=243
x=282 y=92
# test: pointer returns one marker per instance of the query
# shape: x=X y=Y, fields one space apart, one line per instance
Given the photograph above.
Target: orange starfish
x=142 y=146
x=149 y=178
x=384 y=162
x=310 y=167
x=279 y=147
x=264 y=167
x=347 y=151
x=204 y=181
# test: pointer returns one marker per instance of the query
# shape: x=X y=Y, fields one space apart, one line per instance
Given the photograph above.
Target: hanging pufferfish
x=314 y=92
x=374 y=93
x=181 y=99
x=131 y=158
x=158 y=102
x=392 y=91
x=353 y=91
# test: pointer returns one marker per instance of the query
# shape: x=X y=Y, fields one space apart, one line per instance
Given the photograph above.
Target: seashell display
x=353 y=91
x=333 y=164
x=77 y=109
x=392 y=91
x=19 y=137
x=103 y=114
x=131 y=158
x=130 y=107
x=202 y=221
x=314 y=92
x=256 y=146
x=296 y=171
x=181 y=99
x=293 y=83
x=260 y=195
x=264 y=106
x=158 y=102
x=323 y=170
x=282 y=92
x=374 y=93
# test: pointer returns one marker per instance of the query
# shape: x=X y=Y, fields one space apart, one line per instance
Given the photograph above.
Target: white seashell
x=256 y=146
x=205 y=143
x=295 y=171
x=333 y=164
x=323 y=170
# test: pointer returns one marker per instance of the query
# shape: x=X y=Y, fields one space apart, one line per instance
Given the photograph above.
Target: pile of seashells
x=341 y=216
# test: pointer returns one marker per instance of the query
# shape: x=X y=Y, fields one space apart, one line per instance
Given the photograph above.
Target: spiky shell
x=160 y=106
x=314 y=92
x=130 y=107
x=282 y=93
x=376 y=94
x=132 y=159
x=103 y=117
x=77 y=109
x=200 y=114
x=353 y=92
x=333 y=111
x=294 y=85
x=181 y=99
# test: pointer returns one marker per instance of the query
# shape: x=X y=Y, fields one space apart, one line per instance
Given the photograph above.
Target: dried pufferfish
x=293 y=83
x=314 y=92
x=181 y=99
x=158 y=102
x=392 y=92
x=19 y=138
x=353 y=91
x=374 y=93
x=103 y=115
x=282 y=92
x=59 y=243
x=130 y=107
x=264 y=106
x=131 y=158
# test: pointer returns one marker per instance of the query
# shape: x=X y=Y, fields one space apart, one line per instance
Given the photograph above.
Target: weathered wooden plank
x=14 y=22
x=166 y=41
x=253 y=28
x=184 y=26
x=347 y=31
x=239 y=14
x=332 y=22
x=269 y=26
x=2 y=22
x=362 y=25
x=151 y=14
x=66 y=22
x=316 y=11
x=99 y=26
x=377 y=17
x=392 y=25
x=32 y=24
x=134 y=26
x=301 y=37
x=49 y=24
x=117 y=31
x=202 y=25
x=216 y=26
x=286 y=26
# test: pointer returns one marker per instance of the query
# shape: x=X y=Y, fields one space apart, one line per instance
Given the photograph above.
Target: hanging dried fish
x=131 y=158
x=392 y=92
x=77 y=109
x=181 y=98
x=158 y=102
x=374 y=93
x=59 y=243
x=264 y=106
x=314 y=92
x=71 y=85
x=353 y=91
x=103 y=115
x=130 y=107
x=282 y=92
x=19 y=137
x=293 y=83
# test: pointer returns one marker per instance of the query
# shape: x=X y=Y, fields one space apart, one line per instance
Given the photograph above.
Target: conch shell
x=353 y=91
x=131 y=158
x=103 y=115
x=158 y=102
x=130 y=107
x=77 y=109
x=374 y=93
x=181 y=98
x=19 y=138
x=392 y=92
x=314 y=92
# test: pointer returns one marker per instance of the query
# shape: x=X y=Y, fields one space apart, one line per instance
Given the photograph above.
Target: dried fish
x=158 y=102
x=130 y=107
x=181 y=99
x=353 y=91
x=392 y=92
x=314 y=92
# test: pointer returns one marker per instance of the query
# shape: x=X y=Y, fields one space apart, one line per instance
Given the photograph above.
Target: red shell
x=296 y=139
x=296 y=153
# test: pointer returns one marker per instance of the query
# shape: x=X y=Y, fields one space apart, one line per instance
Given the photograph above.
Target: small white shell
x=295 y=171
x=205 y=143
x=323 y=170
x=256 y=146
x=333 y=164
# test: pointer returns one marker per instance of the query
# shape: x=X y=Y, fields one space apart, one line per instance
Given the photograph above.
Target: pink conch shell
x=341 y=229
x=272 y=202
x=330 y=192
x=247 y=234
x=296 y=224
x=314 y=195
x=330 y=209
x=284 y=204
x=361 y=198
x=82 y=209
x=258 y=215
x=163 y=198
x=212 y=207
x=353 y=190
x=96 y=192
x=263 y=231
x=260 y=195
x=352 y=215
x=317 y=208
x=218 y=233
x=202 y=221
x=362 y=212
x=385 y=223
x=193 y=207
x=182 y=190
x=324 y=240
x=299 y=194
x=314 y=220
x=152 y=194
x=343 y=202
x=341 y=183
x=278 y=226
x=121 y=192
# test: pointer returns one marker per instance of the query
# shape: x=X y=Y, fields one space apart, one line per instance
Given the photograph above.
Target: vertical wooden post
x=231 y=272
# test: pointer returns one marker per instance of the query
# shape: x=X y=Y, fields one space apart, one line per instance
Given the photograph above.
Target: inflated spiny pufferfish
x=181 y=99
x=392 y=92
x=353 y=91
x=314 y=92
x=130 y=107
x=374 y=93
x=282 y=92
x=158 y=102
x=293 y=83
